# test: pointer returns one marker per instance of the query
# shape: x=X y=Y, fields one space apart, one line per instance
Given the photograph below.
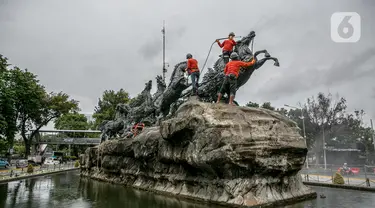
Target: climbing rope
x=209 y=51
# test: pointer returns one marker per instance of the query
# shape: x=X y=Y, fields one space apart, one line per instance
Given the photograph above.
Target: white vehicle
x=51 y=161
x=37 y=159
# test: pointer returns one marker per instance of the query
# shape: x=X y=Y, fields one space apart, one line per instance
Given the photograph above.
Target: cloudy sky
x=83 y=47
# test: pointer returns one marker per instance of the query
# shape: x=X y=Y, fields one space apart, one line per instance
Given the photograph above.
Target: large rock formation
x=229 y=155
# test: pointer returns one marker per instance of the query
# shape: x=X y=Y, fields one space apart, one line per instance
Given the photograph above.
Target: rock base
x=233 y=156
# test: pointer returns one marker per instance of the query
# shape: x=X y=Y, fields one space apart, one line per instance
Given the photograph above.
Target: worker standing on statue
x=193 y=71
x=227 y=46
x=231 y=71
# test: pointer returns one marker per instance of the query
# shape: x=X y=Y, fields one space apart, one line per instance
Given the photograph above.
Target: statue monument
x=217 y=153
x=150 y=109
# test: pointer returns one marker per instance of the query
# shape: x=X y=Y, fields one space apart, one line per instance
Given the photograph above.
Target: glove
x=217 y=41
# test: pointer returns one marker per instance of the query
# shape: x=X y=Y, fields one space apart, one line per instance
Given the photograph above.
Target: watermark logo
x=345 y=27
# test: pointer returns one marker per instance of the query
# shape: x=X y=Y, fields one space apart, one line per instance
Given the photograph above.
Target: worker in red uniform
x=231 y=71
x=193 y=70
x=227 y=46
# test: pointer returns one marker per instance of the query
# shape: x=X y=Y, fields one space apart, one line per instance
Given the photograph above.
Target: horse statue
x=142 y=106
x=117 y=126
x=161 y=86
x=177 y=85
x=214 y=78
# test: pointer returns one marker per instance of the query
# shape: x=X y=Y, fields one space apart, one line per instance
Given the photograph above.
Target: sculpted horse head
x=123 y=110
x=148 y=86
x=174 y=90
x=143 y=96
x=160 y=84
x=245 y=54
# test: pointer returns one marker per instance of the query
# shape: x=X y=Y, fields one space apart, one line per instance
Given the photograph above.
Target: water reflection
x=339 y=198
x=69 y=190
x=105 y=195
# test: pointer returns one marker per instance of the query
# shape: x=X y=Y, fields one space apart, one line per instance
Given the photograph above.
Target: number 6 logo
x=345 y=27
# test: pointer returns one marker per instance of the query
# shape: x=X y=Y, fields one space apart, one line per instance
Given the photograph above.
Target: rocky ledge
x=236 y=156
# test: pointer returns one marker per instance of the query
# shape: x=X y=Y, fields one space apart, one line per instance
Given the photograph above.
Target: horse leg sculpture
x=260 y=52
x=260 y=62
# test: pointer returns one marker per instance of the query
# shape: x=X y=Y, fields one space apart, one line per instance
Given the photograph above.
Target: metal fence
x=13 y=172
x=357 y=176
x=67 y=140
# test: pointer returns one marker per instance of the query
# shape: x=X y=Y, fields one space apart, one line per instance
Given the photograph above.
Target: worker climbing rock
x=231 y=71
x=193 y=71
x=227 y=46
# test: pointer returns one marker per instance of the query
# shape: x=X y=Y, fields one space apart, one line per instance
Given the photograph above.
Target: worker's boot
x=219 y=97
x=231 y=99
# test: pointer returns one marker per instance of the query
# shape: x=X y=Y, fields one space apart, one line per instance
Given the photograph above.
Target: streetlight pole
x=164 y=69
x=324 y=150
x=304 y=132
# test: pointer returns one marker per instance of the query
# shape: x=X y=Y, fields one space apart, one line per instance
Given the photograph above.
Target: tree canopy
x=106 y=108
x=74 y=121
x=25 y=104
x=328 y=113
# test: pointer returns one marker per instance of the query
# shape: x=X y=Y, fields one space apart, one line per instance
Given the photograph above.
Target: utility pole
x=304 y=131
x=324 y=150
x=304 y=136
x=373 y=139
x=164 y=69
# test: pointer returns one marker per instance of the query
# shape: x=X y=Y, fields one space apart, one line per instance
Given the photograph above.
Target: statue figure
x=175 y=88
x=117 y=126
x=142 y=105
x=161 y=86
x=149 y=109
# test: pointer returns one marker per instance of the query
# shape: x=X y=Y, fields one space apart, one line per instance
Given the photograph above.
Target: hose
x=209 y=51
x=205 y=62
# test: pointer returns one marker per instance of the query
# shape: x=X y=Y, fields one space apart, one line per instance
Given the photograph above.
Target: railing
x=81 y=141
x=14 y=172
x=357 y=176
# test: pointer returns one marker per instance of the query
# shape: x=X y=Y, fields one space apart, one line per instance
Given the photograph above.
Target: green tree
x=26 y=105
x=19 y=149
x=251 y=104
x=267 y=105
x=72 y=121
x=3 y=146
x=8 y=116
x=322 y=114
x=52 y=106
x=106 y=108
x=3 y=63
